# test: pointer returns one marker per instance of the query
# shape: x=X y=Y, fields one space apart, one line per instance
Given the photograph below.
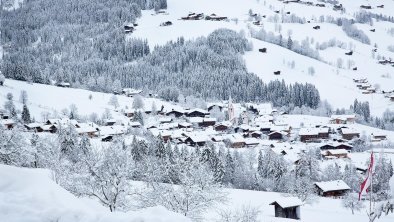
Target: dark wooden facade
x=290 y=212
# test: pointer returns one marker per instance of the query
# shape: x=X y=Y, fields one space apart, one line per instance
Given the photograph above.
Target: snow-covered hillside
x=332 y=82
x=31 y=195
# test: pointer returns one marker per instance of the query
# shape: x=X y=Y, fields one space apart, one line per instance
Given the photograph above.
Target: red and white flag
x=368 y=180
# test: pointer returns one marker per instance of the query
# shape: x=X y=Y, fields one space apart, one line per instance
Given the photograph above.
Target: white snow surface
x=30 y=195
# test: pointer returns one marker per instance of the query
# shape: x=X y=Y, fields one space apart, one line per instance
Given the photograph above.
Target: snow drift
x=30 y=195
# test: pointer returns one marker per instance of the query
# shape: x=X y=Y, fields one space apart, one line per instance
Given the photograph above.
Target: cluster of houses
x=304 y=3
x=200 y=16
x=364 y=86
x=386 y=62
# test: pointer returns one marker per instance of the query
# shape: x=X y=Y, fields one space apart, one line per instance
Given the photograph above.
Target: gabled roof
x=287 y=202
x=334 y=185
x=349 y=131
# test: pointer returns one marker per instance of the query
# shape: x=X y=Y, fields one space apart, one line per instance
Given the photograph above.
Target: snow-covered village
x=186 y=110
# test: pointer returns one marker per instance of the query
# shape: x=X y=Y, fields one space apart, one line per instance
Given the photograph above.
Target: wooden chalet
x=129 y=28
x=256 y=134
x=207 y=122
x=263 y=50
x=197 y=113
x=338 y=7
x=7 y=123
x=335 y=153
x=196 y=140
x=223 y=126
x=343 y=119
x=135 y=124
x=49 y=128
x=276 y=135
x=176 y=113
x=336 y=188
x=109 y=122
x=34 y=127
x=193 y=16
x=287 y=207
x=214 y=17
x=64 y=84
x=349 y=134
x=235 y=140
x=392 y=98
x=184 y=125
x=365 y=6
x=129 y=112
x=317 y=27
x=379 y=136
x=167 y=23
x=88 y=131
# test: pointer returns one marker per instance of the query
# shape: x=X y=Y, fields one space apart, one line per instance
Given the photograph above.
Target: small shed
x=287 y=207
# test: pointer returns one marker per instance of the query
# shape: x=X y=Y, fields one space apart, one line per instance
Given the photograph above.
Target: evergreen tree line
x=70 y=41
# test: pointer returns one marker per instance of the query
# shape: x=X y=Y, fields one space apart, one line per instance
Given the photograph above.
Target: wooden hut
x=287 y=207
x=335 y=188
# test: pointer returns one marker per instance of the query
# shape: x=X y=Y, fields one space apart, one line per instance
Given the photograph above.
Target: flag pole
x=370 y=193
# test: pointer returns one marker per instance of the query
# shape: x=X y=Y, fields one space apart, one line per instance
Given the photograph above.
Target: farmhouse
x=64 y=84
x=349 y=134
x=196 y=140
x=49 y=128
x=310 y=134
x=334 y=188
x=276 y=135
x=379 y=136
x=135 y=124
x=184 y=125
x=87 y=130
x=129 y=112
x=235 y=140
x=343 y=119
x=176 y=113
x=337 y=153
x=35 y=127
x=287 y=207
x=197 y=113
x=223 y=126
x=7 y=123
x=130 y=92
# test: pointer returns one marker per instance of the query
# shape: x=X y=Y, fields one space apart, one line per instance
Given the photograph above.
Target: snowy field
x=31 y=195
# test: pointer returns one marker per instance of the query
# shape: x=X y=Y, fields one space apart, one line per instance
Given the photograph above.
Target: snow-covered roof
x=198 y=110
x=198 y=137
x=111 y=130
x=308 y=131
x=33 y=125
x=135 y=124
x=332 y=185
x=337 y=151
x=7 y=121
x=87 y=129
x=286 y=202
x=349 y=131
x=235 y=138
x=165 y=119
x=251 y=141
x=351 y=116
x=185 y=124
x=224 y=123
x=195 y=119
